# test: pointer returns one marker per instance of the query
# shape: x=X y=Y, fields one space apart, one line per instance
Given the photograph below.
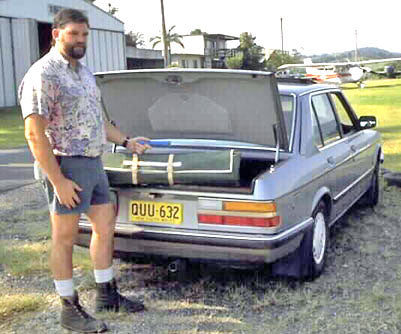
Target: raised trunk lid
x=241 y=106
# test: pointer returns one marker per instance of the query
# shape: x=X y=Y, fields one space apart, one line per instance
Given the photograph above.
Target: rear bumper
x=206 y=246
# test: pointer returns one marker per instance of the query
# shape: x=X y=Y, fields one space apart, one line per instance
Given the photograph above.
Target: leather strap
x=134 y=169
x=170 y=169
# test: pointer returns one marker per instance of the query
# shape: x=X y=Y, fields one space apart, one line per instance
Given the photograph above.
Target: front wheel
x=372 y=196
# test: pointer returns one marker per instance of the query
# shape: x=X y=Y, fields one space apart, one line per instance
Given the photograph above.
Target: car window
x=287 y=105
x=317 y=136
x=343 y=115
x=326 y=119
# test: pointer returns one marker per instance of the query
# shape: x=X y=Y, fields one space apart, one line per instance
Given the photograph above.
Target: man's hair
x=66 y=16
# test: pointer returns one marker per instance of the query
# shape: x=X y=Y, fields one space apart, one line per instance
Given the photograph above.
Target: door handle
x=331 y=161
x=354 y=148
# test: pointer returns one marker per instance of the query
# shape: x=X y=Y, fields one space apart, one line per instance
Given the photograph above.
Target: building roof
x=222 y=36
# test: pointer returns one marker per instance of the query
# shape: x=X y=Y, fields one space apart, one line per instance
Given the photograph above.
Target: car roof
x=300 y=87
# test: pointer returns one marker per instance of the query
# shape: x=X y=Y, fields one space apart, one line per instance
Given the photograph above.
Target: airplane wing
x=350 y=63
x=287 y=66
x=374 y=61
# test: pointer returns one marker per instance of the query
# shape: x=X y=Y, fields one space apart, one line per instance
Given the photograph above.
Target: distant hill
x=363 y=53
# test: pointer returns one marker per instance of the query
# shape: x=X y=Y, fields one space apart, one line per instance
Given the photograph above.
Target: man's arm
x=65 y=189
x=117 y=137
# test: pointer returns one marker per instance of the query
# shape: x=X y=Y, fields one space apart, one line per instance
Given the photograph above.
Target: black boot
x=108 y=299
x=74 y=317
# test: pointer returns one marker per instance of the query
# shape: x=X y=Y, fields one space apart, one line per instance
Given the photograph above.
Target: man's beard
x=75 y=51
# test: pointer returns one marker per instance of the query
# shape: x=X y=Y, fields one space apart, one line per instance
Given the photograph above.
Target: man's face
x=72 y=38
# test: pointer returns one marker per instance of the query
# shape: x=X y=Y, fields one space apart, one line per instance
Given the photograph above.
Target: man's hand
x=66 y=192
x=135 y=146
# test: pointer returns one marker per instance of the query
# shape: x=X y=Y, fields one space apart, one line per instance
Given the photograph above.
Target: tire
x=316 y=243
x=372 y=196
x=309 y=260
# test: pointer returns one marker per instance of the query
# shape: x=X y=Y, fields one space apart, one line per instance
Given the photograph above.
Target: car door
x=362 y=153
x=334 y=149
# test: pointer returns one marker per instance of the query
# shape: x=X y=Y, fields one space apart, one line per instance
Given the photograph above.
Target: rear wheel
x=308 y=261
x=316 y=243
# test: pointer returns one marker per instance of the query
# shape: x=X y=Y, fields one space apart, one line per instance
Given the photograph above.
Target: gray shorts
x=89 y=174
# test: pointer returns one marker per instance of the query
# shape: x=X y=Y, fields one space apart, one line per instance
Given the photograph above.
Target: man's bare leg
x=108 y=298
x=102 y=218
x=64 y=234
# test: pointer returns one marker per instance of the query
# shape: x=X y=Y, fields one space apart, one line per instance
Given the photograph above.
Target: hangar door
x=25 y=46
x=19 y=49
x=7 y=79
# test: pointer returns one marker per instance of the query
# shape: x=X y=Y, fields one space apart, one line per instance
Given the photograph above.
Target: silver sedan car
x=244 y=170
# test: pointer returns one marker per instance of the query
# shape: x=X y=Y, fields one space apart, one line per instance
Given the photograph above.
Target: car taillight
x=241 y=213
x=239 y=221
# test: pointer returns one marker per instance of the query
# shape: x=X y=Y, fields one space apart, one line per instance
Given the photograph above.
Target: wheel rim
x=319 y=238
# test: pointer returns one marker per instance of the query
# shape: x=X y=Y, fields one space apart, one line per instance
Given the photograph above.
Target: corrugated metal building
x=25 y=34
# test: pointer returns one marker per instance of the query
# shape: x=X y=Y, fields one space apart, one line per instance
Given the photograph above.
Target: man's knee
x=64 y=229
x=103 y=219
x=104 y=230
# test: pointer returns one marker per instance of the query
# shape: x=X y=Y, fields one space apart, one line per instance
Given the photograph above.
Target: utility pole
x=164 y=33
x=356 y=45
x=282 y=37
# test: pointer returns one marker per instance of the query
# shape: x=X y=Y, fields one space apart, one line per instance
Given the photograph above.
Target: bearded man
x=66 y=133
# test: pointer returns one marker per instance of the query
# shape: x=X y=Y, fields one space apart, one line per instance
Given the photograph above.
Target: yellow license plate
x=156 y=212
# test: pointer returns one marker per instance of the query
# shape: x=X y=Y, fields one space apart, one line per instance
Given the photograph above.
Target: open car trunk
x=239 y=181
x=212 y=115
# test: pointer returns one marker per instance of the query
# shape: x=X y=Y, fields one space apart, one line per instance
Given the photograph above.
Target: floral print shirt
x=70 y=100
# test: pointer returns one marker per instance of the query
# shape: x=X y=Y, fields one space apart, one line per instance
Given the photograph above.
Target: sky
x=309 y=26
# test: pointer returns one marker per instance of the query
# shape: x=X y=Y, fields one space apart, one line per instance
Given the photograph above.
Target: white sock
x=65 y=288
x=103 y=275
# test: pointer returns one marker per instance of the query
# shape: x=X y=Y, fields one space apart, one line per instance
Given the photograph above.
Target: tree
x=112 y=10
x=235 y=62
x=278 y=58
x=169 y=39
x=134 y=39
x=197 y=32
x=253 y=56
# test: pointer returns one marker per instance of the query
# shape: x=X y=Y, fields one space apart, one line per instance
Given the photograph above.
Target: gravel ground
x=15 y=206
x=358 y=292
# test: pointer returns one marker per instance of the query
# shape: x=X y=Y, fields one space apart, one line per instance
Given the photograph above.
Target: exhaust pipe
x=177 y=266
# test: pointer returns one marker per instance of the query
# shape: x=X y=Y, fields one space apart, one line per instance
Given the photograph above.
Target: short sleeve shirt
x=70 y=100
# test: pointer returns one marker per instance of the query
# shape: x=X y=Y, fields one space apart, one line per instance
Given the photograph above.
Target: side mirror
x=367 y=122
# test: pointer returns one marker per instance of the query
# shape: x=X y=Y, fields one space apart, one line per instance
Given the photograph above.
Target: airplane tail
x=309 y=70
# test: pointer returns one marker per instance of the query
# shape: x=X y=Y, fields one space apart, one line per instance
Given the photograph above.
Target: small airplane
x=339 y=73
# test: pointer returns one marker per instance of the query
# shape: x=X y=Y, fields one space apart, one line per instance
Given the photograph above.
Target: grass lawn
x=382 y=99
x=11 y=128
